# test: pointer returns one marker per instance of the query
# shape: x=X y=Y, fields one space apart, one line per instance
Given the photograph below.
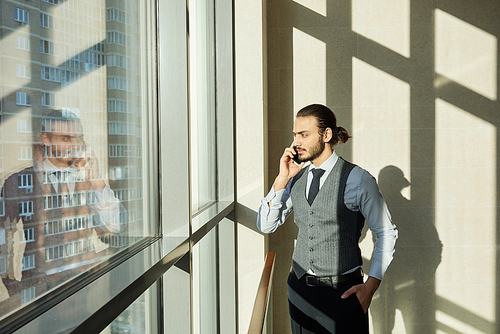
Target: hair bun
x=342 y=134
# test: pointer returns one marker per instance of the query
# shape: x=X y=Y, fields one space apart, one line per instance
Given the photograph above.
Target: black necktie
x=313 y=190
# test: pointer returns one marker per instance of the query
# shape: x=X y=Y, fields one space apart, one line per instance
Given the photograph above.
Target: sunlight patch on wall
x=464 y=141
x=466 y=55
x=309 y=70
x=381 y=121
x=386 y=22
x=318 y=6
x=465 y=212
x=19 y=39
x=447 y=324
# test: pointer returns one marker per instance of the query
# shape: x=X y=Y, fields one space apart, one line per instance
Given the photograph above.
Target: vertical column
x=251 y=141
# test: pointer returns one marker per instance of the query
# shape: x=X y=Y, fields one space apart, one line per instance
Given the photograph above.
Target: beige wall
x=416 y=84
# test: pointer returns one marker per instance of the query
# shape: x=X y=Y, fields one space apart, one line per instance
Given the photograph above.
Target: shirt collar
x=328 y=164
x=49 y=166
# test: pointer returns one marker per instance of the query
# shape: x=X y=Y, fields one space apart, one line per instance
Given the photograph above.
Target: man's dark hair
x=325 y=118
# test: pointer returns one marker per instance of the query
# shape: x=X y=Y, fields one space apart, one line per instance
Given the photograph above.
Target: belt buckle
x=309 y=279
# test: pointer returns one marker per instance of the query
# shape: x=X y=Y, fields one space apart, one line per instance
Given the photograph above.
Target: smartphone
x=295 y=155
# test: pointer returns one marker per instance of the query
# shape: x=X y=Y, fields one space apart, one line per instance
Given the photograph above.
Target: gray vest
x=328 y=231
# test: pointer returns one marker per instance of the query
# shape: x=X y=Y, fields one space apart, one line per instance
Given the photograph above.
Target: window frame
x=156 y=251
x=21 y=15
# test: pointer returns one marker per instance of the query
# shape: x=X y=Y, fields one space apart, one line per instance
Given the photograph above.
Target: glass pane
x=140 y=317
x=71 y=149
x=205 y=298
x=202 y=94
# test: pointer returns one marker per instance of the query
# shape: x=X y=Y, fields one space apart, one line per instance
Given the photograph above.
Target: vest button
x=311 y=261
x=311 y=225
x=310 y=249
x=311 y=213
x=310 y=238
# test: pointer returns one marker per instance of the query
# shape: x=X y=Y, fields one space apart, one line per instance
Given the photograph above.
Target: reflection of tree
x=409 y=284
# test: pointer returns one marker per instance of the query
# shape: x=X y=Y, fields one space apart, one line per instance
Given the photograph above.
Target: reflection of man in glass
x=59 y=213
x=68 y=160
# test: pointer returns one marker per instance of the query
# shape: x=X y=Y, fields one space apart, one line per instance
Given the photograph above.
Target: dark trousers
x=321 y=310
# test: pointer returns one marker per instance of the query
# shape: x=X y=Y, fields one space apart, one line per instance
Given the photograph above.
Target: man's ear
x=327 y=135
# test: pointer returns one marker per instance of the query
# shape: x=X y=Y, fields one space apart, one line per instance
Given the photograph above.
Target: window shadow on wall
x=409 y=288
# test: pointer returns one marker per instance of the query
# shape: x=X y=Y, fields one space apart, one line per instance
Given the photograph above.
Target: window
x=117 y=60
x=24 y=125
x=117 y=151
x=54 y=2
x=122 y=173
x=24 y=153
x=47 y=47
x=27 y=295
x=69 y=77
x=75 y=61
x=202 y=101
x=46 y=21
x=28 y=262
x=94 y=221
x=25 y=208
x=119 y=84
x=51 y=73
x=23 y=99
x=54 y=253
x=52 y=125
x=23 y=71
x=128 y=194
x=121 y=128
x=72 y=102
x=118 y=241
x=75 y=248
x=22 y=43
x=73 y=224
x=48 y=99
x=28 y=235
x=113 y=14
x=25 y=181
x=93 y=60
x=51 y=202
x=75 y=199
x=21 y=15
x=115 y=37
x=120 y=106
x=54 y=227
x=92 y=197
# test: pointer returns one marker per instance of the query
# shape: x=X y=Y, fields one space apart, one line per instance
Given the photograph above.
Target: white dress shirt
x=361 y=194
x=109 y=208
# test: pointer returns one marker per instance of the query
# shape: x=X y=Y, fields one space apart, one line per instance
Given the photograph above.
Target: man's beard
x=315 y=151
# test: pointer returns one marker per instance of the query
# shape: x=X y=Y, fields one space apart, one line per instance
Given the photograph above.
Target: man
x=331 y=199
x=59 y=213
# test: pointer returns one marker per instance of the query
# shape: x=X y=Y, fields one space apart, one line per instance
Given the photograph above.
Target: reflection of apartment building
x=84 y=60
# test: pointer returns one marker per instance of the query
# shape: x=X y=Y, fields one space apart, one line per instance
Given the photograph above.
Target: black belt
x=329 y=281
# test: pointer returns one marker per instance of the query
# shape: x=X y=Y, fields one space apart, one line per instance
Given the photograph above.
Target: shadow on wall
x=409 y=284
x=427 y=103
